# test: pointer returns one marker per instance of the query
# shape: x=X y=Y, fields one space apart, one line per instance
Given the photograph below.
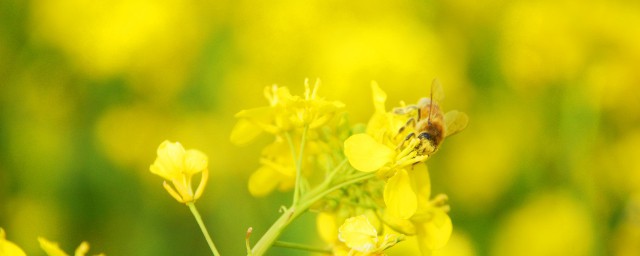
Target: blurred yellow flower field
x=546 y=165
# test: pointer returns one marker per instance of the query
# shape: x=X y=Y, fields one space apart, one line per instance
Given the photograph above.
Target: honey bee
x=430 y=125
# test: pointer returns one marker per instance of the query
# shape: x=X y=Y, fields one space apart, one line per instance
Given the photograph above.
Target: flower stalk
x=203 y=228
x=300 y=247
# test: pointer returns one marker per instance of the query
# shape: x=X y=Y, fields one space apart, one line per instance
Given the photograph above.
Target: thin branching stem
x=297 y=158
x=303 y=247
x=196 y=215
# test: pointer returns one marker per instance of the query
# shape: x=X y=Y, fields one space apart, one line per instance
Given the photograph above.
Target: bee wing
x=437 y=93
x=455 y=121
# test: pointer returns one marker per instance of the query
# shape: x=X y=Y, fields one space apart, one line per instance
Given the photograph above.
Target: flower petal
x=170 y=160
x=244 y=131
x=403 y=226
x=399 y=196
x=195 y=161
x=379 y=97
x=326 y=226
x=365 y=154
x=263 y=181
x=435 y=233
x=159 y=169
x=422 y=184
x=358 y=234
x=171 y=154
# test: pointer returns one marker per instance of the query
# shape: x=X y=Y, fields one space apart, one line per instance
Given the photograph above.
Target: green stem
x=196 y=214
x=294 y=156
x=329 y=177
x=301 y=247
x=298 y=162
x=360 y=177
x=274 y=231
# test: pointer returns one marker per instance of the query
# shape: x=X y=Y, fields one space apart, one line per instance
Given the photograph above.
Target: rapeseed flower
x=293 y=120
x=358 y=234
x=430 y=223
x=285 y=113
x=392 y=147
x=361 y=238
x=178 y=165
x=377 y=150
x=387 y=148
x=277 y=170
x=362 y=199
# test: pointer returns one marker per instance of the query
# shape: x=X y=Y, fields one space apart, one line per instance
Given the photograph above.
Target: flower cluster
x=285 y=113
x=385 y=149
x=375 y=189
x=394 y=147
x=292 y=120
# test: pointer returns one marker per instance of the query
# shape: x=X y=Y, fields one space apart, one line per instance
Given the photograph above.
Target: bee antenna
x=430 y=105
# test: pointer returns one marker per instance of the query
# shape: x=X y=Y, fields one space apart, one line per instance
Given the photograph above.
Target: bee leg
x=413 y=165
x=405 y=110
x=410 y=122
x=411 y=135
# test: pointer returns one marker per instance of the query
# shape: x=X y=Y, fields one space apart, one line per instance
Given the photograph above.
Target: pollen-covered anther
x=409 y=155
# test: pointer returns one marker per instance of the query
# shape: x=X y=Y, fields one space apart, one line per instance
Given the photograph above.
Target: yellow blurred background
x=88 y=89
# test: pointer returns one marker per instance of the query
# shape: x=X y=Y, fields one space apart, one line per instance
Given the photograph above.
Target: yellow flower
x=7 y=248
x=277 y=167
x=361 y=238
x=433 y=227
x=377 y=150
x=277 y=170
x=52 y=248
x=430 y=224
x=399 y=196
x=387 y=148
x=327 y=226
x=178 y=165
x=358 y=234
x=293 y=120
x=284 y=113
